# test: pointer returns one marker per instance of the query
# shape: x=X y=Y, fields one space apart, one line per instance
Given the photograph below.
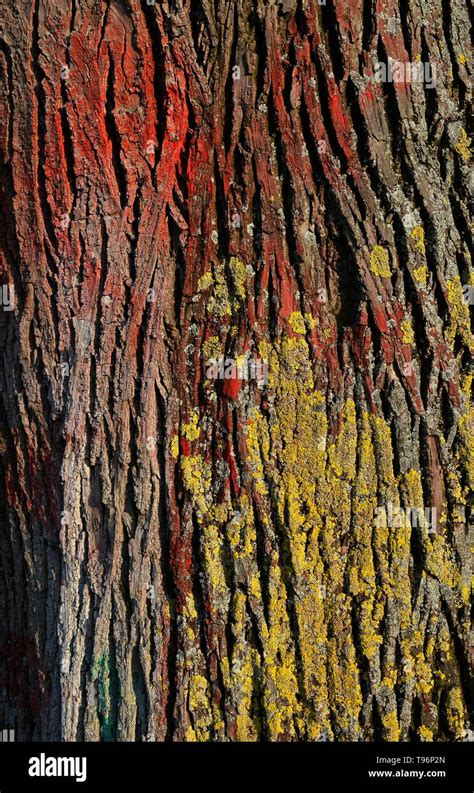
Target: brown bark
x=193 y=557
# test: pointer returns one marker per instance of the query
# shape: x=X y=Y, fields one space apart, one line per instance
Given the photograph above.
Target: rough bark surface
x=194 y=559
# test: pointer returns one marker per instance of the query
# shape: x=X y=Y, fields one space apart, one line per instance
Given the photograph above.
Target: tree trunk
x=235 y=371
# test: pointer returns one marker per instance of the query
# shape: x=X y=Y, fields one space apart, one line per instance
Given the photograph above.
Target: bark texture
x=191 y=558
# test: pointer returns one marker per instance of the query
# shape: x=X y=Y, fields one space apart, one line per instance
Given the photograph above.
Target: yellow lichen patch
x=422 y=668
x=384 y=455
x=197 y=480
x=459 y=320
x=362 y=571
x=239 y=276
x=440 y=564
x=280 y=663
x=463 y=146
x=310 y=321
x=241 y=362
x=200 y=707
x=420 y=274
x=408 y=334
x=412 y=487
x=226 y=285
x=380 y=261
x=425 y=733
x=211 y=348
x=212 y=551
x=191 y=430
x=294 y=443
x=465 y=455
x=301 y=324
x=297 y=323
x=418 y=236
x=174 y=447
x=388 y=491
x=205 y=281
x=256 y=432
x=264 y=349
x=456 y=712
x=391 y=726
x=343 y=683
x=241 y=530
x=462 y=59
x=245 y=666
x=219 y=303
x=342 y=453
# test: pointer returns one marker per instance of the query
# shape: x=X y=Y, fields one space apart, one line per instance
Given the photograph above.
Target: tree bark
x=186 y=555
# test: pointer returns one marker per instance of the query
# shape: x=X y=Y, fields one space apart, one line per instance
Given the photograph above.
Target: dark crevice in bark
x=432 y=99
x=323 y=93
x=262 y=563
x=114 y=135
x=88 y=651
x=406 y=23
x=201 y=33
x=137 y=210
x=394 y=123
x=221 y=215
x=169 y=584
x=159 y=77
x=332 y=35
x=287 y=195
x=315 y=160
x=41 y=109
x=5 y=49
x=447 y=23
x=369 y=24
x=257 y=26
x=103 y=27
x=141 y=695
x=179 y=259
x=200 y=596
x=114 y=685
x=230 y=85
x=461 y=658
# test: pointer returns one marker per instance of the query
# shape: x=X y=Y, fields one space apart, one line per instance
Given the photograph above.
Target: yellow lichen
x=211 y=348
x=219 y=302
x=199 y=706
x=463 y=146
x=239 y=276
x=380 y=261
x=297 y=323
x=420 y=274
x=391 y=726
x=191 y=430
x=408 y=334
x=459 y=320
x=197 y=479
x=456 y=712
x=205 y=281
x=425 y=733
x=255 y=427
x=174 y=447
x=418 y=236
